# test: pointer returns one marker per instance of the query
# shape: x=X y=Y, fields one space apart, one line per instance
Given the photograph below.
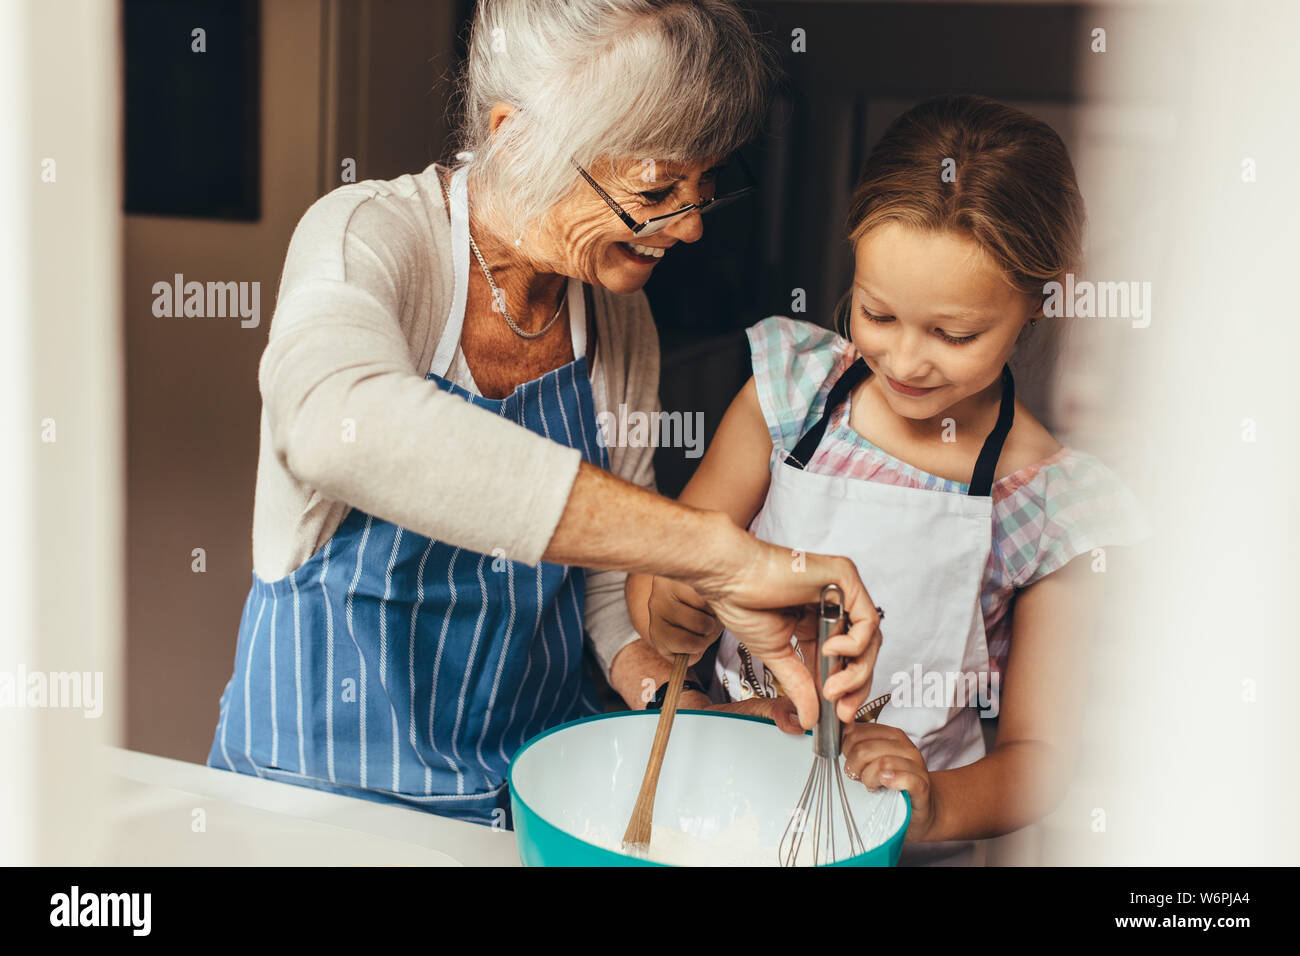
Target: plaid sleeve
x=795 y=365
x=1070 y=508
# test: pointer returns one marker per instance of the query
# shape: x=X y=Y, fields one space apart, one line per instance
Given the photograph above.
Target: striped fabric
x=1044 y=514
x=401 y=669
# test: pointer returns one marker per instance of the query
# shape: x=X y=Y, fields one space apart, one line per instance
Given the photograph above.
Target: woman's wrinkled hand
x=763 y=595
x=779 y=710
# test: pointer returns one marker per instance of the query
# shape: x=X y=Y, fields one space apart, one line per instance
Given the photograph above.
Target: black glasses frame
x=704 y=205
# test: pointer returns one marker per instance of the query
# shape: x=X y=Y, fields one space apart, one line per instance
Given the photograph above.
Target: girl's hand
x=883 y=756
x=681 y=621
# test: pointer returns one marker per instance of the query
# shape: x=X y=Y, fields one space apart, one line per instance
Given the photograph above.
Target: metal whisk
x=824 y=804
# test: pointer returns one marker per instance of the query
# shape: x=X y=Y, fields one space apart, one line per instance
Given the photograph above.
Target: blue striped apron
x=402 y=669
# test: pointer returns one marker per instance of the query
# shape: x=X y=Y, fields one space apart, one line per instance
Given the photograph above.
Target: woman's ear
x=498 y=115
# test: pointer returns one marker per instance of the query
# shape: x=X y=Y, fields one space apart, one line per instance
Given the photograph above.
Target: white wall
x=1194 y=724
x=60 y=570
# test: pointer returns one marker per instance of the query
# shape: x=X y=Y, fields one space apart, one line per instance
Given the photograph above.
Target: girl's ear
x=1038 y=300
x=1035 y=304
x=842 y=311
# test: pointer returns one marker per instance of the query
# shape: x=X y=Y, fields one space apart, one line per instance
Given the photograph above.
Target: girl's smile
x=909 y=390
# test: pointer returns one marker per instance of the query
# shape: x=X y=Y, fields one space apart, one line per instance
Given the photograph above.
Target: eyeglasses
x=740 y=173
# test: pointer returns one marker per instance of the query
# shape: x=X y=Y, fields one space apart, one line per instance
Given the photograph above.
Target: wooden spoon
x=637 y=837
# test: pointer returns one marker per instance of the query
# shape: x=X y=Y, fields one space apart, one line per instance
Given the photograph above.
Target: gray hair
x=675 y=80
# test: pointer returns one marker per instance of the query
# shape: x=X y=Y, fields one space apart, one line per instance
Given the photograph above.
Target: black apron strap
x=981 y=483
x=852 y=375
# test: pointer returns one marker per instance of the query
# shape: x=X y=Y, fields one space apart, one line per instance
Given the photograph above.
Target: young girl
x=899 y=442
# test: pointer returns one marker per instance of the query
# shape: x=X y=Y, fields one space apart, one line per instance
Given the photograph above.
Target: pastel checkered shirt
x=1044 y=515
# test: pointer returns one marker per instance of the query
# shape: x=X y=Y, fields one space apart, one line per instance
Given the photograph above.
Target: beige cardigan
x=349 y=420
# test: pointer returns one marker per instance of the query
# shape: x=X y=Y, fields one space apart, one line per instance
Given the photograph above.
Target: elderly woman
x=437 y=518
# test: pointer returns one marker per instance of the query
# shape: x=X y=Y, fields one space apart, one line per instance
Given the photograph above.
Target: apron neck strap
x=848 y=381
x=457 y=204
x=981 y=483
x=458 y=212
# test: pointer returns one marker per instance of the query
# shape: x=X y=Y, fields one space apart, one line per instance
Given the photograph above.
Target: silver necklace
x=497 y=295
x=500 y=298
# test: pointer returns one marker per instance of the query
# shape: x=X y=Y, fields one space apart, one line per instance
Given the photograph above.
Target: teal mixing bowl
x=572 y=789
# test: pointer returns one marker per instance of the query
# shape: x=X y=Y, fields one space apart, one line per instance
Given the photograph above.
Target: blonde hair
x=1013 y=191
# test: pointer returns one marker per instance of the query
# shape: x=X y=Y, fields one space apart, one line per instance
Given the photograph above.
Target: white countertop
x=151 y=805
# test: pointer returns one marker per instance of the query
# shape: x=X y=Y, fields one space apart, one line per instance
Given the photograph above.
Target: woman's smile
x=641 y=253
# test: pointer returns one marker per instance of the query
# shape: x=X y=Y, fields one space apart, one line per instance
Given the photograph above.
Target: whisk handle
x=826 y=736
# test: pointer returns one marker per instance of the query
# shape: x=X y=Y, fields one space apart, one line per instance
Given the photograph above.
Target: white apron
x=921 y=555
